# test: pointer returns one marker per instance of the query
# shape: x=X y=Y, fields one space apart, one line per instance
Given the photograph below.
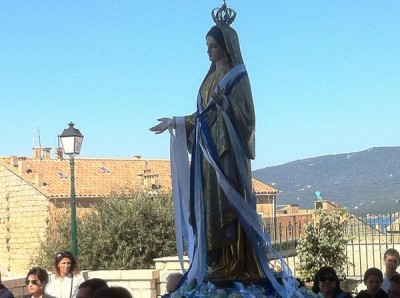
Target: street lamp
x=71 y=140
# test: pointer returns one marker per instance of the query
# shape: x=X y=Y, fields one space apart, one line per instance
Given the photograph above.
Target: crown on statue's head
x=223 y=15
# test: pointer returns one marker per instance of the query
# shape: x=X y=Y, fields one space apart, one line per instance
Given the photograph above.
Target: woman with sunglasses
x=35 y=281
x=66 y=277
x=327 y=283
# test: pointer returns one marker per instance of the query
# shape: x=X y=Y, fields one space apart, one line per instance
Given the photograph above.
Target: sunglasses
x=32 y=281
x=327 y=278
x=63 y=254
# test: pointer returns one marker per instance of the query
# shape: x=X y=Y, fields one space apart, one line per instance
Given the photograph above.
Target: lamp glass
x=78 y=144
x=68 y=144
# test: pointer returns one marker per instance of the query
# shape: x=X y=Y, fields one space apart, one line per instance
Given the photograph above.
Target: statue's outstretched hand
x=160 y=127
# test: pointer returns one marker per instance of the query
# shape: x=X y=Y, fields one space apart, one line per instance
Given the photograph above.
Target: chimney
x=39 y=179
x=59 y=153
x=21 y=165
x=46 y=152
x=14 y=161
x=36 y=153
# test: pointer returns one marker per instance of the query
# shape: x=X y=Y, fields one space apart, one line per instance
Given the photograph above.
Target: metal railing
x=370 y=236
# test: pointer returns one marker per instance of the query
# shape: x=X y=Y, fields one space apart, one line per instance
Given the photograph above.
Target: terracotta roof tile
x=96 y=177
x=263 y=188
x=93 y=177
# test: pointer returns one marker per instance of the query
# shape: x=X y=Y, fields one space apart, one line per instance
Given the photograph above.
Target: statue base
x=227 y=287
x=229 y=282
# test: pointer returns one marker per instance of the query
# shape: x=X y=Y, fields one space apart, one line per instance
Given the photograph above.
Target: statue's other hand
x=218 y=95
x=160 y=127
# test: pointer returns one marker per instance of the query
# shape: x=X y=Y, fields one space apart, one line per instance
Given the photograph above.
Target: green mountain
x=366 y=181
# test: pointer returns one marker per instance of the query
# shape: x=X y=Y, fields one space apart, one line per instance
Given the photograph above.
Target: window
x=104 y=170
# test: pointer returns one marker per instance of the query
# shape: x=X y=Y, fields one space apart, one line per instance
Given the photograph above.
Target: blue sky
x=325 y=74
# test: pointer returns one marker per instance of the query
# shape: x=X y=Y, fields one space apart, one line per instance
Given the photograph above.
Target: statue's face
x=214 y=50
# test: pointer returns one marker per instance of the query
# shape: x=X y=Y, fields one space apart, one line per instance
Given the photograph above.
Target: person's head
x=373 y=279
x=65 y=263
x=391 y=259
x=172 y=281
x=35 y=280
x=112 y=292
x=88 y=287
x=326 y=281
x=394 y=287
x=216 y=47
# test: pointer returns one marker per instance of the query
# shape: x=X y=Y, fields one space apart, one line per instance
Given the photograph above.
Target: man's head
x=112 y=292
x=373 y=279
x=88 y=287
x=394 y=288
x=391 y=259
x=172 y=281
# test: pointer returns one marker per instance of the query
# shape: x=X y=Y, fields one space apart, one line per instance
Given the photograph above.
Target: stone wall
x=16 y=285
x=23 y=222
x=141 y=283
x=145 y=283
x=168 y=265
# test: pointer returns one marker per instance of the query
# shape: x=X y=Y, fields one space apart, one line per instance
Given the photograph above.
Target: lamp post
x=71 y=140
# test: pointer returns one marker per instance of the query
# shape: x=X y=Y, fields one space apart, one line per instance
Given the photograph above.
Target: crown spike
x=223 y=15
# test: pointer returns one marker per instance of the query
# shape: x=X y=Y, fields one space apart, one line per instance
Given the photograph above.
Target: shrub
x=125 y=230
x=323 y=244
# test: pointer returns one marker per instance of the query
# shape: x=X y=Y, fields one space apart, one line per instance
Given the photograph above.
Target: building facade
x=34 y=190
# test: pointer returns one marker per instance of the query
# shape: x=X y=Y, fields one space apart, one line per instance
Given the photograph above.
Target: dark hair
x=65 y=254
x=173 y=280
x=395 y=279
x=94 y=284
x=322 y=272
x=112 y=292
x=41 y=274
x=373 y=271
x=217 y=34
x=391 y=252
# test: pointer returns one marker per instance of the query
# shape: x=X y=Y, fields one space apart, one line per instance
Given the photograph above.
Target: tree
x=126 y=230
x=323 y=244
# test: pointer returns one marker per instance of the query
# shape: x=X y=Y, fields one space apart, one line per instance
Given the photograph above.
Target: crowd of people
x=378 y=284
x=326 y=282
x=65 y=281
